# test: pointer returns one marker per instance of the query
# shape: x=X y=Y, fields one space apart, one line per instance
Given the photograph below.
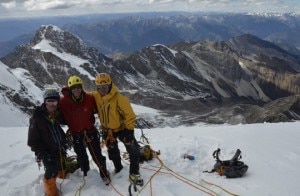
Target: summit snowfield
x=271 y=151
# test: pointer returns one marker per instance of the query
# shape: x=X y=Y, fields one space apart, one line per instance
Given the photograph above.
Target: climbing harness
x=69 y=139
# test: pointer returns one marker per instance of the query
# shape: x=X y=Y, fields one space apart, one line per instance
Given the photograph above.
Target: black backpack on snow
x=232 y=168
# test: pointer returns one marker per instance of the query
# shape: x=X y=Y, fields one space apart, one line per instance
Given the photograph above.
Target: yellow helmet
x=73 y=80
x=103 y=79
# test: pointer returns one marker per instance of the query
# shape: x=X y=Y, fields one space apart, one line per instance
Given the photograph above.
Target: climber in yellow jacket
x=117 y=121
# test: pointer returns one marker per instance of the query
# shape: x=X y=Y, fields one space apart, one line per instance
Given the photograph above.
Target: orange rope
x=210 y=183
x=151 y=188
x=170 y=172
x=181 y=178
x=185 y=181
x=149 y=181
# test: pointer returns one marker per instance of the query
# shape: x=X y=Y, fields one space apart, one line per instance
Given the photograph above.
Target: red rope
x=97 y=162
x=151 y=187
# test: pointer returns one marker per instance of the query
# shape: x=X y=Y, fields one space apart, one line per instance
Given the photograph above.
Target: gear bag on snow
x=145 y=153
x=232 y=168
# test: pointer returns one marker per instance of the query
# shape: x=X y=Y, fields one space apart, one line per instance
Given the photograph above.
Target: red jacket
x=79 y=116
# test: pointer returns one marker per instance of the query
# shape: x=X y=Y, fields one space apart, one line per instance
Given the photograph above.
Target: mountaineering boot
x=106 y=180
x=118 y=169
x=62 y=174
x=136 y=179
x=84 y=173
x=50 y=187
x=118 y=165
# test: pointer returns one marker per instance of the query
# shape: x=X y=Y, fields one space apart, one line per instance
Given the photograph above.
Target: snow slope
x=271 y=151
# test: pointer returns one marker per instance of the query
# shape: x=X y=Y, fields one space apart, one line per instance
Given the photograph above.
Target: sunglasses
x=76 y=87
x=103 y=87
x=53 y=102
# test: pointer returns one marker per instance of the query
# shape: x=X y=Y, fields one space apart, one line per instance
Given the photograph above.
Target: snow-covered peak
x=7 y=78
x=41 y=34
x=61 y=40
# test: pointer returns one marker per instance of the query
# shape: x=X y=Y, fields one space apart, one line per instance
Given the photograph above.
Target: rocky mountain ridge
x=133 y=33
x=205 y=81
x=111 y=33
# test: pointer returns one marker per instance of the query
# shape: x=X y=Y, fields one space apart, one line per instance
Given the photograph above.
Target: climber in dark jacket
x=47 y=139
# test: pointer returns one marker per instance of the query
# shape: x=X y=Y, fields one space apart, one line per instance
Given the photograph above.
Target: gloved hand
x=44 y=156
x=128 y=136
x=103 y=133
x=65 y=90
x=67 y=146
x=39 y=155
x=47 y=157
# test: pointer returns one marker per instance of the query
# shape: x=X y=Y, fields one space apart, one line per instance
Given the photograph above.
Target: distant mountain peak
x=62 y=41
x=45 y=32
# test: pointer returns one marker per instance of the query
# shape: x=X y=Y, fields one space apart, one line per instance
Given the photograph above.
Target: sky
x=32 y=8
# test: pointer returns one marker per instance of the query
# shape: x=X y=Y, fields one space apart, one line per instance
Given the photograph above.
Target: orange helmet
x=103 y=79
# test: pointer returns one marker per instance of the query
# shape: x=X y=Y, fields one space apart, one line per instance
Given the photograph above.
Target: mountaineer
x=117 y=122
x=78 y=109
x=48 y=140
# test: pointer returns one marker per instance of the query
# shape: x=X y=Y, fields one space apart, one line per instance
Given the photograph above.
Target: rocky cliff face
x=210 y=81
x=272 y=65
x=53 y=55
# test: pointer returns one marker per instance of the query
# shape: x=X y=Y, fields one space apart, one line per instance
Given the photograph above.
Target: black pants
x=52 y=164
x=92 y=141
x=132 y=148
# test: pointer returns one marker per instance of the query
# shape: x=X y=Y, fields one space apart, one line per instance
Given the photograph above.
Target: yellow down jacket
x=114 y=110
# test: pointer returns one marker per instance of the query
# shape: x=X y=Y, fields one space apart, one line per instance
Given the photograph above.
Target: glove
x=67 y=146
x=43 y=156
x=47 y=157
x=128 y=136
x=65 y=90
x=103 y=132
x=39 y=156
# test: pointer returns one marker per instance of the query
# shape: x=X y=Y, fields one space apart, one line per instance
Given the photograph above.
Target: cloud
x=9 y=4
x=46 y=4
x=70 y=7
